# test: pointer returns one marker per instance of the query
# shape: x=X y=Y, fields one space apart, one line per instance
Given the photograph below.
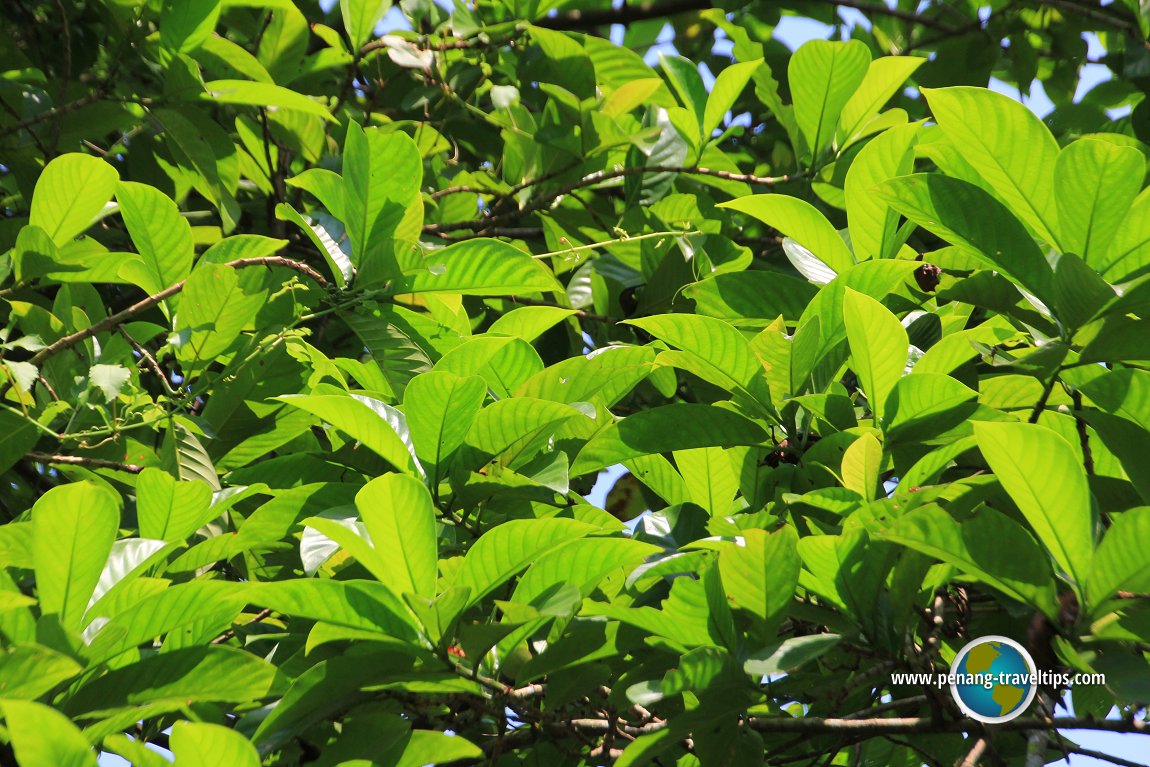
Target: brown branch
x=88 y=463
x=262 y=615
x=975 y=754
x=117 y=319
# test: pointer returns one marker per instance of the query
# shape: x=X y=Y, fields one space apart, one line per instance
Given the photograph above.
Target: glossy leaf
x=824 y=76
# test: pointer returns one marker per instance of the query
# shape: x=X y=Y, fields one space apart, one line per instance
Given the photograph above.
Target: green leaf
x=364 y=419
x=1008 y=146
x=73 y=527
x=1122 y=561
x=873 y=225
x=503 y=551
x=161 y=235
x=963 y=214
x=728 y=87
x=184 y=456
x=718 y=346
x=43 y=737
x=688 y=86
x=180 y=606
x=441 y=408
x=181 y=677
x=788 y=655
x=71 y=192
x=18 y=435
x=799 y=220
x=861 y=464
x=28 y=672
x=186 y=24
x=879 y=347
x=430 y=747
x=196 y=744
x=583 y=563
x=1095 y=184
x=1079 y=293
x=884 y=77
x=480 y=267
x=354 y=604
x=923 y=403
x=381 y=178
x=664 y=429
x=1130 y=251
x=360 y=18
x=824 y=75
x=248 y=93
x=170 y=510
x=215 y=307
x=760 y=575
x=988 y=545
x=1041 y=472
x=400 y=518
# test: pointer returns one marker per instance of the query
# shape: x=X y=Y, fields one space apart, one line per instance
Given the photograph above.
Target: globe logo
x=993 y=679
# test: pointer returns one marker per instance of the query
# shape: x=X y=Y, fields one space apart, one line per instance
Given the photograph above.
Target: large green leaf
x=216 y=305
x=883 y=78
x=354 y=604
x=168 y=509
x=43 y=737
x=73 y=527
x=1096 y=183
x=186 y=24
x=751 y=297
x=180 y=677
x=1042 y=474
x=196 y=744
x=873 y=225
x=760 y=575
x=726 y=90
x=988 y=545
x=1122 y=561
x=664 y=429
x=71 y=192
x=1008 y=146
x=371 y=422
x=251 y=93
x=161 y=235
x=824 y=75
x=507 y=549
x=1130 y=251
x=801 y=221
x=381 y=177
x=400 y=518
x=879 y=347
x=441 y=408
x=480 y=267
x=719 y=346
x=360 y=18
x=965 y=215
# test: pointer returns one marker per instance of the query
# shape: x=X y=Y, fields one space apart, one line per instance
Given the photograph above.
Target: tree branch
x=119 y=318
x=87 y=463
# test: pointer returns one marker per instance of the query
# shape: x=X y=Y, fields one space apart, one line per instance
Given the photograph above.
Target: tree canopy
x=315 y=340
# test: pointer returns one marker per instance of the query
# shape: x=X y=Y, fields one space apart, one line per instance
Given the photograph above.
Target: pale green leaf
x=873 y=225
x=879 y=347
x=1122 y=560
x=43 y=737
x=480 y=267
x=800 y=221
x=274 y=97
x=73 y=527
x=726 y=90
x=441 y=408
x=1007 y=145
x=884 y=77
x=824 y=75
x=1042 y=474
x=198 y=744
x=760 y=574
x=360 y=18
x=398 y=513
x=161 y=235
x=861 y=464
x=168 y=509
x=70 y=194
x=1096 y=183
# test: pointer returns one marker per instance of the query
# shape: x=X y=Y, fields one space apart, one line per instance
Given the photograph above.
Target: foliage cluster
x=315 y=341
